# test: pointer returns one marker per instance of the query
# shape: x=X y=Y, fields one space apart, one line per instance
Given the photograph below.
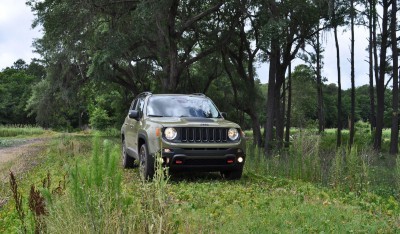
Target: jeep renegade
x=188 y=131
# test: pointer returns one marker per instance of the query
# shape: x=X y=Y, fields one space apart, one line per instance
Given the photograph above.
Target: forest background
x=96 y=56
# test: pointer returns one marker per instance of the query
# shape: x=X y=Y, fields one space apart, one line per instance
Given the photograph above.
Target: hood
x=193 y=122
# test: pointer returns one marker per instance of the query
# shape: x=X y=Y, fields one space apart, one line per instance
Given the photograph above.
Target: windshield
x=181 y=106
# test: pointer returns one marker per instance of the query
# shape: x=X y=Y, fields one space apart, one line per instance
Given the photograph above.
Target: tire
x=146 y=163
x=232 y=175
x=127 y=161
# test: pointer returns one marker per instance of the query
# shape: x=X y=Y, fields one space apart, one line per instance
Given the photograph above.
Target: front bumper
x=203 y=159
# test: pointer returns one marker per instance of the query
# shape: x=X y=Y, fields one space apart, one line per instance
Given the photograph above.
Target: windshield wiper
x=155 y=116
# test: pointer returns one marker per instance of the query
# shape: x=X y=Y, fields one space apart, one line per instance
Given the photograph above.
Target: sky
x=16 y=34
x=16 y=37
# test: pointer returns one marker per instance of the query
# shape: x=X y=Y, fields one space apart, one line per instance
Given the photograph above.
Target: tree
x=289 y=109
x=303 y=97
x=15 y=90
x=335 y=23
x=380 y=84
x=240 y=55
x=371 y=48
x=289 y=24
x=394 y=134
x=133 y=43
x=313 y=59
x=353 y=88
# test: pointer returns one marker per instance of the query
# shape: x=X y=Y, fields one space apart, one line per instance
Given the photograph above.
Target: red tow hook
x=178 y=162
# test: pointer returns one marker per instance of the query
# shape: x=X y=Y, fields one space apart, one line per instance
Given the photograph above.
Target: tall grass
x=96 y=200
x=20 y=130
x=314 y=158
x=98 y=196
x=300 y=162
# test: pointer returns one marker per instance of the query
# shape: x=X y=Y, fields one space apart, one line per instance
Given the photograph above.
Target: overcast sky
x=16 y=37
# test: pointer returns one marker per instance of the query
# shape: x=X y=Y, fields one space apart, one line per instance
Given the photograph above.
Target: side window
x=133 y=104
x=140 y=105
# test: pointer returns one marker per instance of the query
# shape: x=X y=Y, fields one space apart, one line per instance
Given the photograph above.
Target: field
x=76 y=185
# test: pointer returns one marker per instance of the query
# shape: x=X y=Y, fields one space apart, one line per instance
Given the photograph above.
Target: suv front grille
x=206 y=135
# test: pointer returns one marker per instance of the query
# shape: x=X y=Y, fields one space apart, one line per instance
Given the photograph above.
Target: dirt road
x=21 y=157
x=18 y=159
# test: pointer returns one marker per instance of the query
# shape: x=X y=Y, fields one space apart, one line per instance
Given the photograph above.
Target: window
x=133 y=104
x=140 y=105
x=181 y=106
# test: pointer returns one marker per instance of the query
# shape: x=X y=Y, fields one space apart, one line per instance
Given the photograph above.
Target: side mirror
x=224 y=114
x=133 y=114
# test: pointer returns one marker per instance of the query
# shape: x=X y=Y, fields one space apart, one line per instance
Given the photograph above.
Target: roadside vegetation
x=81 y=187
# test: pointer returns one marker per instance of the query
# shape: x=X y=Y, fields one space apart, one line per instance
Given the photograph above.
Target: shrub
x=99 y=118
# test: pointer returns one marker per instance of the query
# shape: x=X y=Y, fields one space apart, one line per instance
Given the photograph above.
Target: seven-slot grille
x=202 y=134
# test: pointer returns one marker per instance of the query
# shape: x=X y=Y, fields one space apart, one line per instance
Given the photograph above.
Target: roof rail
x=145 y=93
x=199 y=94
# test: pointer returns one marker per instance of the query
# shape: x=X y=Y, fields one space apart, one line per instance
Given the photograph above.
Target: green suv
x=188 y=131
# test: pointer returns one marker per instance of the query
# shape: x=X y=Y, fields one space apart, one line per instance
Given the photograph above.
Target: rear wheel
x=146 y=163
x=232 y=174
x=127 y=161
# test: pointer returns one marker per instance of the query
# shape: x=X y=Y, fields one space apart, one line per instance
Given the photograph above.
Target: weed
x=18 y=200
x=155 y=210
x=37 y=206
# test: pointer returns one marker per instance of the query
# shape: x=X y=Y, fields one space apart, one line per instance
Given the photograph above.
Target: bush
x=99 y=119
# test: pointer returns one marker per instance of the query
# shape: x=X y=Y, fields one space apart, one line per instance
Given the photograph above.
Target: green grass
x=20 y=130
x=99 y=196
x=259 y=204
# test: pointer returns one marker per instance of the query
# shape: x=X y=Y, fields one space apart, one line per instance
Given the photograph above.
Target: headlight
x=170 y=133
x=233 y=134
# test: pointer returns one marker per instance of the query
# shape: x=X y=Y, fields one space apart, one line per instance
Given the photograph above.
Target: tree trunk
x=353 y=88
x=321 y=122
x=380 y=86
x=269 y=125
x=255 y=123
x=279 y=122
x=374 y=44
x=289 y=107
x=339 y=95
x=371 y=69
x=394 y=134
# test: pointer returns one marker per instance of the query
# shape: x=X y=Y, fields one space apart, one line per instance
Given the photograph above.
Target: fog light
x=240 y=160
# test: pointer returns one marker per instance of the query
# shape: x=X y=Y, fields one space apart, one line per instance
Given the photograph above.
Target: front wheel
x=232 y=174
x=146 y=163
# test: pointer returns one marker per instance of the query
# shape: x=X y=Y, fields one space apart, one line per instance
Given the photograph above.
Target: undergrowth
x=20 y=130
x=303 y=189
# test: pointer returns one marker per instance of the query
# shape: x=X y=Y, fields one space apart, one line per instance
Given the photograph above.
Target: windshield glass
x=181 y=106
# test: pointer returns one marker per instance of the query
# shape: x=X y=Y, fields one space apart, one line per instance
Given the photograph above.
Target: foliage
x=303 y=97
x=96 y=194
x=15 y=90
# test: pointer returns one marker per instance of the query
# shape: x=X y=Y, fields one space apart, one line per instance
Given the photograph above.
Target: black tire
x=146 y=163
x=233 y=174
x=127 y=161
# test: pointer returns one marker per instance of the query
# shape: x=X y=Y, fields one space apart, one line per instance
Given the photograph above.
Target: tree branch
x=198 y=17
